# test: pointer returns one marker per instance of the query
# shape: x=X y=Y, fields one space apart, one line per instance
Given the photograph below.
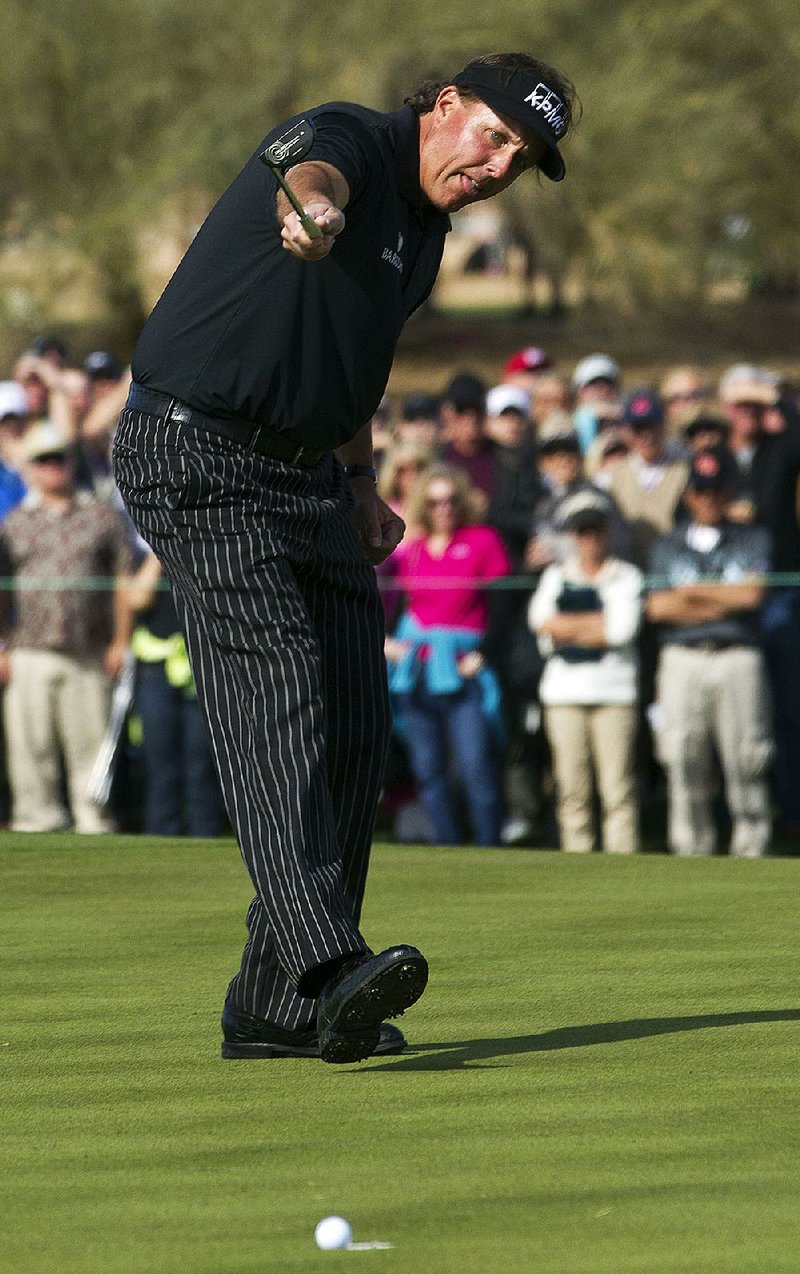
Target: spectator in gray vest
x=712 y=688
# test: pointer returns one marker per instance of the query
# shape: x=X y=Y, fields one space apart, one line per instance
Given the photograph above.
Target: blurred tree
x=112 y=110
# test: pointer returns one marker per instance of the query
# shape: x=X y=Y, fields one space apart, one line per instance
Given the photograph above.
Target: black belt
x=271 y=443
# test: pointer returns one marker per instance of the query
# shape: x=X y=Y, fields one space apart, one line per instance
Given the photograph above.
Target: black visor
x=528 y=101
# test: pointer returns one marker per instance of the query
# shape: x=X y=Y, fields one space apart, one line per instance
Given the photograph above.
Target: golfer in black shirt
x=244 y=455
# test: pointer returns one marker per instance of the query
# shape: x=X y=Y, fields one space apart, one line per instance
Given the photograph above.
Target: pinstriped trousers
x=284 y=628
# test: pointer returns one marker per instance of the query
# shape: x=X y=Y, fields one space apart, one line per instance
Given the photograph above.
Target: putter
x=293 y=145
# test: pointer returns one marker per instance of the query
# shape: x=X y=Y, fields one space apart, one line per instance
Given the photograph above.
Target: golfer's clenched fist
x=323 y=193
x=297 y=240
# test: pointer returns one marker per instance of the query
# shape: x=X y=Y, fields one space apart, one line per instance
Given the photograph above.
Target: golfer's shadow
x=457 y=1054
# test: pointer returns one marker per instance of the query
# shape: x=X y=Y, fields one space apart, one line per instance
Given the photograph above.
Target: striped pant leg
x=237 y=534
x=347 y=617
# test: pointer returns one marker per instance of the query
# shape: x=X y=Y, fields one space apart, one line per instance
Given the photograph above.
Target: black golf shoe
x=362 y=992
x=252 y=1037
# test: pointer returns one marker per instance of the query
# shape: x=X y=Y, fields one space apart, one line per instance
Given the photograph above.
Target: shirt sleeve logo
x=393 y=255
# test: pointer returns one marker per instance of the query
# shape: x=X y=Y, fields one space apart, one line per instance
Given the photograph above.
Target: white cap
x=744 y=383
x=507 y=398
x=577 y=510
x=595 y=367
x=12 y=399
x=42 y=439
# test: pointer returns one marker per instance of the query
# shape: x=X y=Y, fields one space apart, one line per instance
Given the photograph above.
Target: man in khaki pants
x=586 y=614
x=712 y=690
x=65 y=643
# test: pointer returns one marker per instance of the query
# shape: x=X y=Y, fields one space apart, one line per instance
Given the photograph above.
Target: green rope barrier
x=104 y=583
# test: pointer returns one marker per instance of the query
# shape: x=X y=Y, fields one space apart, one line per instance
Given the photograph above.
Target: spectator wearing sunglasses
x=446 y=693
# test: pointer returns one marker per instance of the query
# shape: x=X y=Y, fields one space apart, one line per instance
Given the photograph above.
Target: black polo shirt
x=245 y=330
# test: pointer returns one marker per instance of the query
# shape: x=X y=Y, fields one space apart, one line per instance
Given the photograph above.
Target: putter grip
x=310 y=226
x=308 y=223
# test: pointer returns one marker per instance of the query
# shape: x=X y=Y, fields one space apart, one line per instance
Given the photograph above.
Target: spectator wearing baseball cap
x=65 y=644
x=648 y=485
x=610 y=447
x=107 y=383
x=54 y=391
x=467 y=444
x=44 y=438
x=419 y=421
x=746 y=383
x=101 y=366
x=596 y=382
x=517 y=485
x=13 y=422
x=50 y=347
x=705 y=431
x=597 y=376
x=527 y=367
x=560 y=465
x=769 y=471
x=746 y=394
x=592 y=417
x=561 y=468
x=37 y=376
x=643 y=408
x=509 y=646
x=712 y=688
x=586 y=614
x=508 y=414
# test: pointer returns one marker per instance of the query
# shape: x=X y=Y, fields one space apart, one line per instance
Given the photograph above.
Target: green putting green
x=602 y=1078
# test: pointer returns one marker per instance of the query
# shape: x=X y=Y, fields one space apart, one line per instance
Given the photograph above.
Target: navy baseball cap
x=706 y=424
x=100 y=365
x=421 y=406
x=47 y=344
x=643 y=408
x=712 y=469
x=466 y=393
x=525 y=98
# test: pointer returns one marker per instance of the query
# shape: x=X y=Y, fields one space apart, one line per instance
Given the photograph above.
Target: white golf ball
x=333 y=1232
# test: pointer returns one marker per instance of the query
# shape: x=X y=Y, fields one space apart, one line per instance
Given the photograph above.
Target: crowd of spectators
x=597 y=603
x=641 y=632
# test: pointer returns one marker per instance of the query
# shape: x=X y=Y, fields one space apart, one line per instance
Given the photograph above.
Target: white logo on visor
x=543 y=99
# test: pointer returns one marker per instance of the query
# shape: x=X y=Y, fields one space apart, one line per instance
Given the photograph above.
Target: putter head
x=290 y=146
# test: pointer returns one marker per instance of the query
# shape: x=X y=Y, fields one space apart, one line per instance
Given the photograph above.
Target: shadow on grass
x=458 y=1053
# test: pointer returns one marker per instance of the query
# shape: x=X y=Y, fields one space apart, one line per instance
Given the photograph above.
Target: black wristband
x=360 y=471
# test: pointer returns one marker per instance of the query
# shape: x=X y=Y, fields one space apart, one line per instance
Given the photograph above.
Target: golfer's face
x=470 y=153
